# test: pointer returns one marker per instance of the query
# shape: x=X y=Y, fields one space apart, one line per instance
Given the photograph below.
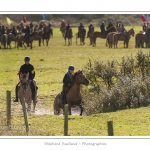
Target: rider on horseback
x=67 y=28
x=14 y=31
x=25 y=68
x=67 y=83
x=80 y=28
x=90 y=27
x=109 y=25
x=102 y=27
x=27 y=32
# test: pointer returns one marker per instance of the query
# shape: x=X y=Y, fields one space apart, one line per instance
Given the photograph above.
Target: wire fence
x=17 y=125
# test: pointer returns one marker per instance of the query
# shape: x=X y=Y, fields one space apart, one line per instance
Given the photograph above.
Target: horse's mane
x=75 y=74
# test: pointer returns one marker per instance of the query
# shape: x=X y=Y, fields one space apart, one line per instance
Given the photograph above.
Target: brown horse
x=140 y=38
x=46 y=36
x=69 y=36
x=21 y=39
x=91 y=35
x=73 y=97
x=4 y=40
x=123 y=37
x=102 y=35
x=81 y=35
x=109 y=39
x=11 y=37
x=25 y=91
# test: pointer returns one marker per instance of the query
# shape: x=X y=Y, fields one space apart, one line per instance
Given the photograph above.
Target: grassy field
x=51 y=64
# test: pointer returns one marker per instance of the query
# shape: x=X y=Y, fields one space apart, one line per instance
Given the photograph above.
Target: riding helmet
x=27 y=58
x=71 y=68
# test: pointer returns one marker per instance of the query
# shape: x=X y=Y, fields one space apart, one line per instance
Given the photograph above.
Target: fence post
x=8 y=107
x=25 y=115
x=110 y=128
x=66 y=120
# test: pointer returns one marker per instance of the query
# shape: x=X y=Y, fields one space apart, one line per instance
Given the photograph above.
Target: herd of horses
x=111 y=35
x=21 y=38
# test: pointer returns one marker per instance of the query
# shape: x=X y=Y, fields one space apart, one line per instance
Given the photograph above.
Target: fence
x=11 y=124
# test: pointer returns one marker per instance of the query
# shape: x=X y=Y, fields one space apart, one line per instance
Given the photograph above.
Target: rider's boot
x=16 y=93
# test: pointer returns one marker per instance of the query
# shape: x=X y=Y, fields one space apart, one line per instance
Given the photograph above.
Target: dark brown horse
x=123 y=37
x=11 y=37
x=140 y=38
x=4 y=40
x=102 y=35
x=81 y=35
x=69 y=37
x=46 y=36
x=73 y=97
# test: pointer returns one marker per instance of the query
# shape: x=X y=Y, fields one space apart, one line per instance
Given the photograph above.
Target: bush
x=115 y=89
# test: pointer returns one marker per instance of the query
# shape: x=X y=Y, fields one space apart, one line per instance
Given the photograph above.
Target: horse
x=90 y=35
x=81 y=34
x=21 y=39
x=102 y=35
x=25 y=91
x=123 y=37
x=73 y=96
x=109 y=39
x=46 y=36
x=63 y=30
x=4 y=40
x=11 y=37
x=69 y=36
x=140 y=38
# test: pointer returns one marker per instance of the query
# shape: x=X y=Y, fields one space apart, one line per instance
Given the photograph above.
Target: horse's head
x=24 y=76
x=131 y=32
x=24 y=80
x=79 y=78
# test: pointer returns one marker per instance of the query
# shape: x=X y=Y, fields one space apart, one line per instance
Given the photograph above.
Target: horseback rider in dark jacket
x=67 y=28
x=67 y=83
x=102 y=28
x=3 y=30
x=27 y=32
x=80 y=28
x=14 y=31
x=90 y=27
x=27 y=68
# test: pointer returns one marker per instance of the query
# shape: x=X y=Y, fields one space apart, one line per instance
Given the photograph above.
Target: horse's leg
x=81 y=109
x=69 y=109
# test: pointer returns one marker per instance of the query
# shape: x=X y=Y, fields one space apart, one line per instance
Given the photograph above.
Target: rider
x=90 y=27
x=144 y=27
x=62 y=25
x=148 y=33
x=27 y=32
x=25 y=68
x=80 y=27
x=67 y=28
x=102 y=28
x=3 y=30
x=67 y=83
x=31 y=25
x=109 y=25
x=14 y=31
x=123 y=30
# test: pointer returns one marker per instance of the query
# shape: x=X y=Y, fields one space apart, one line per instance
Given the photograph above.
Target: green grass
x=51 y=64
